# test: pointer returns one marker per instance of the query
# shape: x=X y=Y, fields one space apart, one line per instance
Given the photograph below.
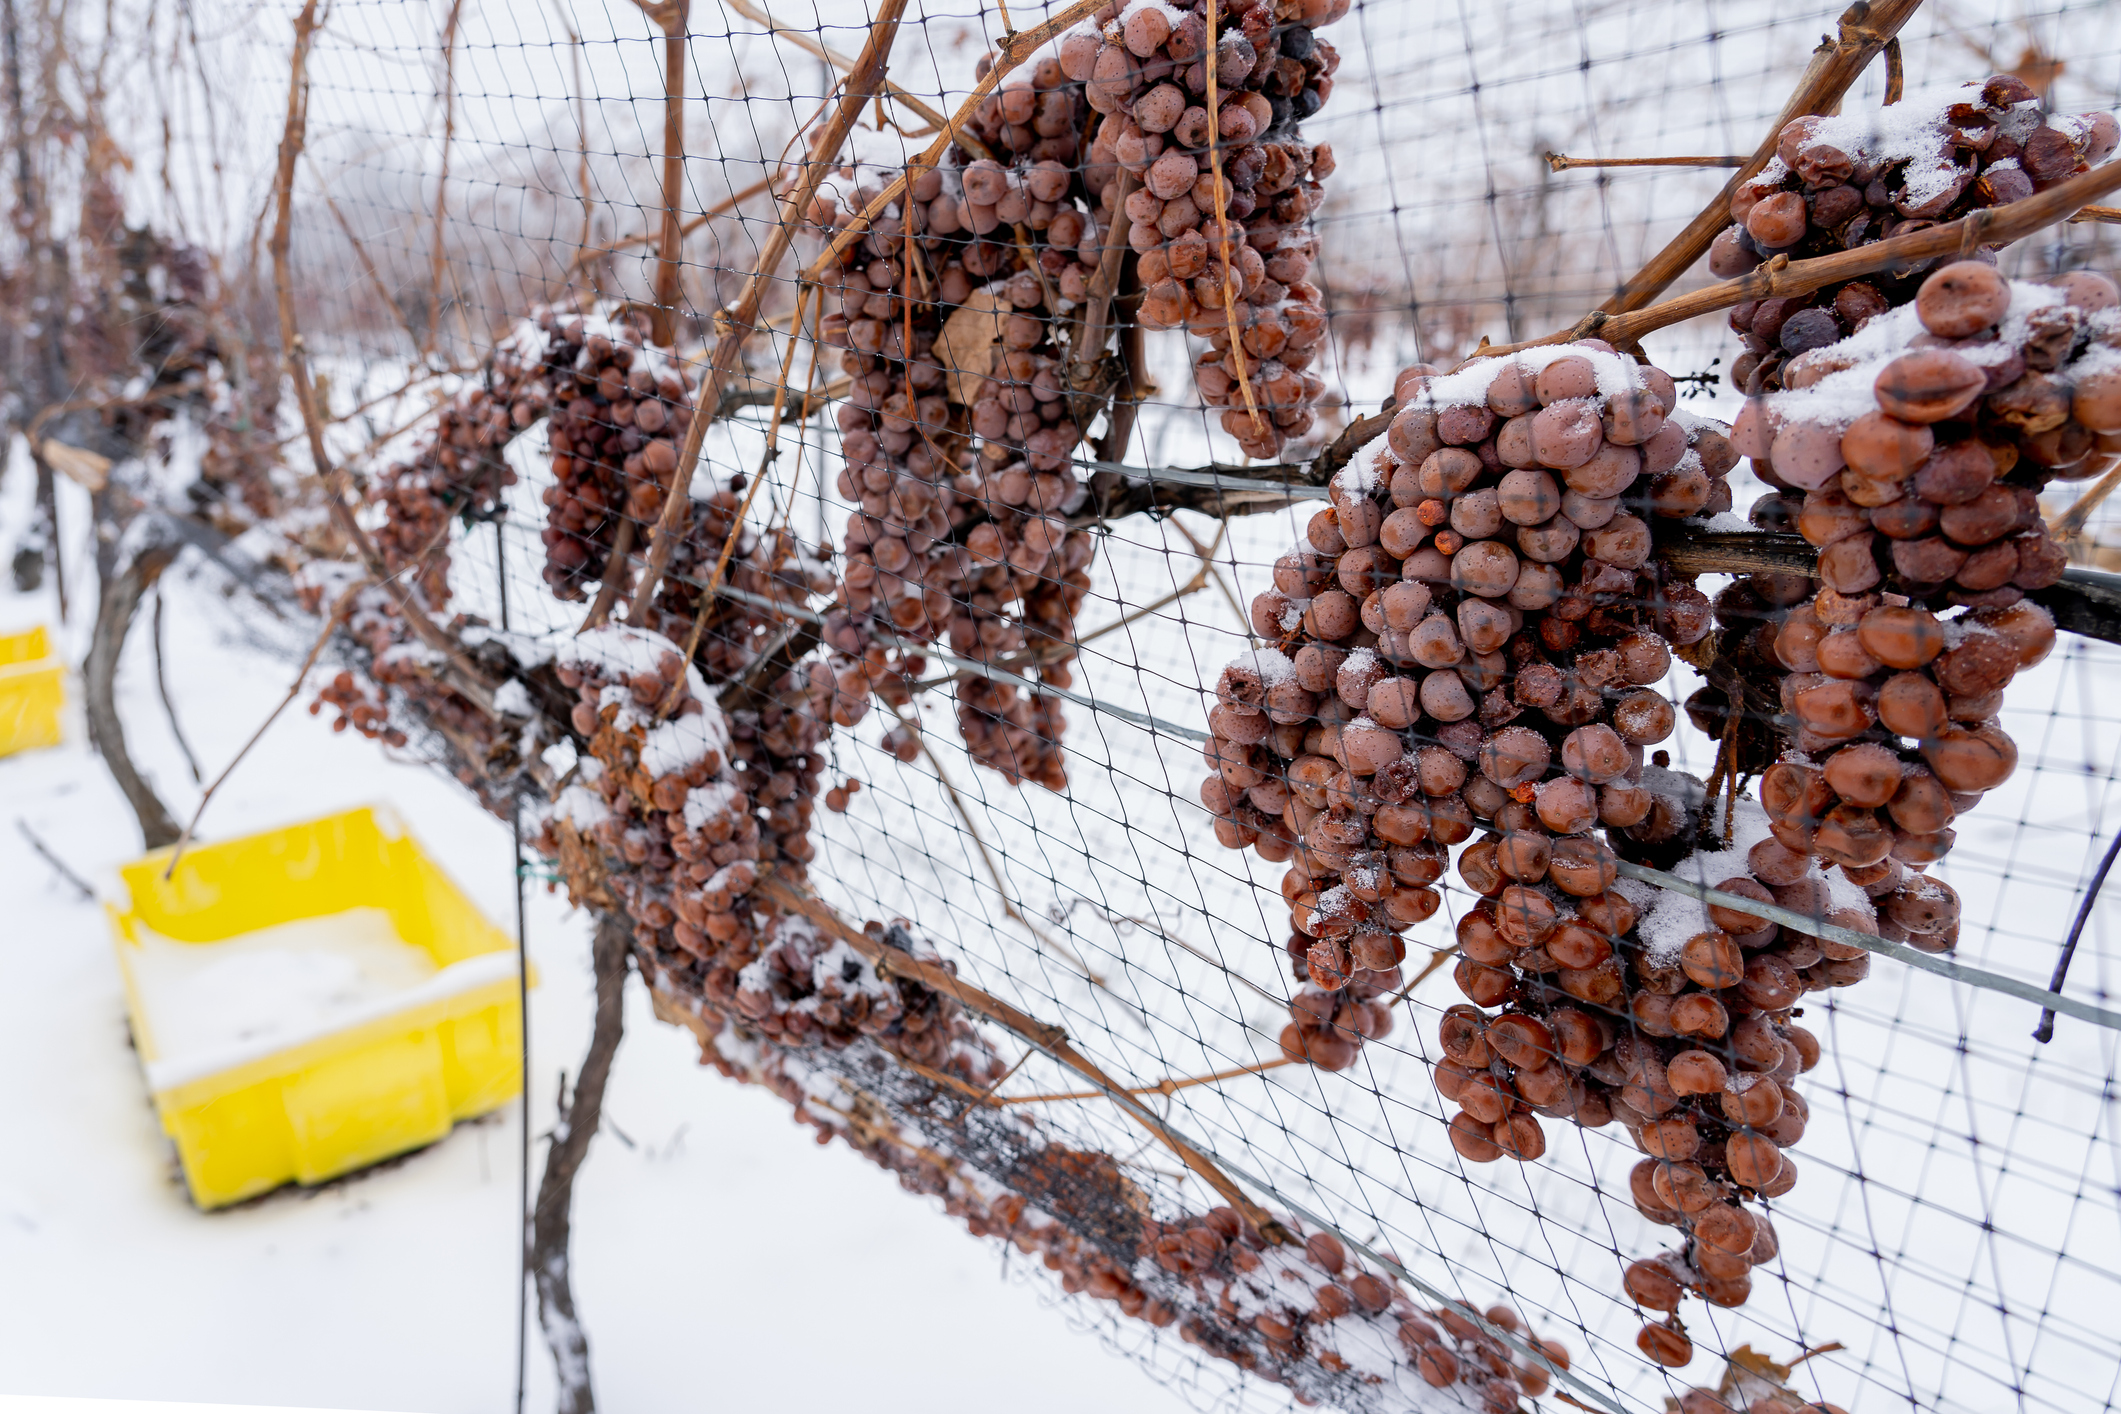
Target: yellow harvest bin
x=310 y=1000
x=32 y=690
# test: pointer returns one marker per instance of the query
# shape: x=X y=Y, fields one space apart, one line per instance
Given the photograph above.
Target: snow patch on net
x=1911 y=131
x=1468 y=387
x=581 y=807
x=615 y=650
x=1271 y=664
x=756 y=976
x=1842 y=893
x=418 y=654
x=621 y=652
x=2016 y=328
x=708 y=802
x=1667 y=917
x=1672 y=919
x=528 y=650
x=1916 y=131
x=512 y=699
x=2098 y=357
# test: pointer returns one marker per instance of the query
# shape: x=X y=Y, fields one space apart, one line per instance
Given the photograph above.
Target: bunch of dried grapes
x=686 y=805
x=1145 y=68
x=1316 y=1304
x=1920 y=444
x=619 y=409
x=776 y=567
x=1673 y=1018
x=1866 y=672
x=1683 y=1033
x=1918 y=487
x=1919 y=447
x=903 y=449
x=1024 y=479
x=393 y=659
x=456 y=470
x=1593 y=1000
x=954 y=543
x=1843 y=182
x=359 y=705
x=1479 y=602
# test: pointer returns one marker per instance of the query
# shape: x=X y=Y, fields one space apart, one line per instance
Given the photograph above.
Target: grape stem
x=1222 y=234
x=1556 y=162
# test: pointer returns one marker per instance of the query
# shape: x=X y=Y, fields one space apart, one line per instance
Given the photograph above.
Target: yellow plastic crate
x=32 y=691
x=283 y=1037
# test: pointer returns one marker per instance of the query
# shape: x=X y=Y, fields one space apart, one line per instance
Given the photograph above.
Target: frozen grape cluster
x=1229 y=260
x=619 y=410
x=1843 y=182
x=1476 y=612
x=959 y=538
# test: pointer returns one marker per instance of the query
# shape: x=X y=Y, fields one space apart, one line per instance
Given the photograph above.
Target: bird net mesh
x=1009 y=353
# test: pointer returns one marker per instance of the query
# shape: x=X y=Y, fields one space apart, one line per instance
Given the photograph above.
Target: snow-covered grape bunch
x=1843 y=182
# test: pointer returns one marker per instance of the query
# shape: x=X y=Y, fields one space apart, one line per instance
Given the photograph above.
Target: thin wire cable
x=2045 y=1031
x=515 y=832
x=1899 y=952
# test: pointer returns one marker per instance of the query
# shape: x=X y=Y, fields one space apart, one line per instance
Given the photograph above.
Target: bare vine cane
x=457 y=669
x=733 y=327
x=669 y=16
x=331 y=623
x=736 y=527
x=1864 y=30
x=1780 y=277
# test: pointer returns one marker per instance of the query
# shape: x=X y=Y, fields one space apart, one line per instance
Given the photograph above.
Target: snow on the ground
x=723 y=1258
